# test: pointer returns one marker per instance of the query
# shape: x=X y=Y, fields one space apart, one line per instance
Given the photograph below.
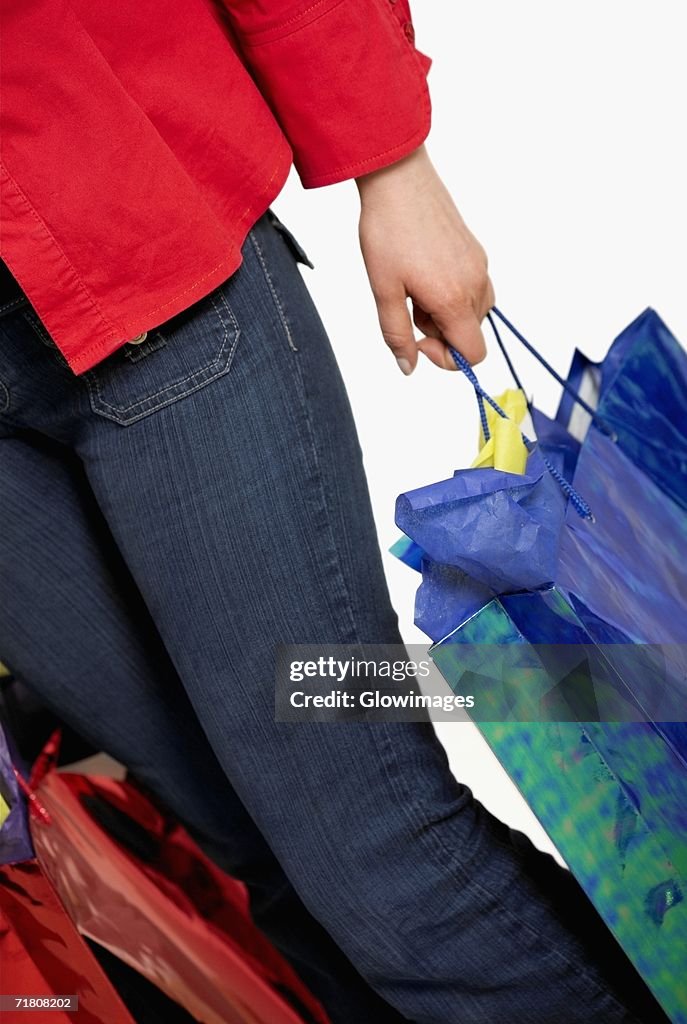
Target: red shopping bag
x=42 y=954
x=153 y=899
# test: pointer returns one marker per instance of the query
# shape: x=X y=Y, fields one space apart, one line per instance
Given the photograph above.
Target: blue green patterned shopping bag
x=558 y=596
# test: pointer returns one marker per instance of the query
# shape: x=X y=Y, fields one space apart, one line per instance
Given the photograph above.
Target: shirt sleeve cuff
x=346 y=84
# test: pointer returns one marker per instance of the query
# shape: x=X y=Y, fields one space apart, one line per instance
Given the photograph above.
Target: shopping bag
x=15 y=842
x=45 y=959
x=558 y=597
x=134 y=882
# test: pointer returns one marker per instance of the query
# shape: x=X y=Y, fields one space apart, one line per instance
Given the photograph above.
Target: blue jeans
x=165 y=520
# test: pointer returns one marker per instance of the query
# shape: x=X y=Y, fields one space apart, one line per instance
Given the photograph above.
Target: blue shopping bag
x=575 y=573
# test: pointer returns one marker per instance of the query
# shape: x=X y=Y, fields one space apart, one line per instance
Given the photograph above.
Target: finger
x=397 y=328
x=424 y=322
x=437 y=352
x=464 y=333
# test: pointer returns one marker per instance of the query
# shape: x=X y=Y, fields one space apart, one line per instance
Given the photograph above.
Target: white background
x=560 y=131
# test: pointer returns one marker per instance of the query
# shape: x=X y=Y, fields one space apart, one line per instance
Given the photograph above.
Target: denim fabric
x=165 y=520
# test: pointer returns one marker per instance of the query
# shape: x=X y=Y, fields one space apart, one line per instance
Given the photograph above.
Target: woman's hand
x=415 y=244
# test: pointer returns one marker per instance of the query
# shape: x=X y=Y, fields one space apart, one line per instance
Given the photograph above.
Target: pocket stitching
x=121 y=413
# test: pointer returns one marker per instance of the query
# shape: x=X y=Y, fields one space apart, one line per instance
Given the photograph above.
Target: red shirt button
x=409 y=31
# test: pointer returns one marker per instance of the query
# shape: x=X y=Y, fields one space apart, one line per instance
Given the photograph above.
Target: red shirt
x=141 y=140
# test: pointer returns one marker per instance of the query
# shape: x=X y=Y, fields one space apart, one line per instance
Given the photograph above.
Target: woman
x=182 y=487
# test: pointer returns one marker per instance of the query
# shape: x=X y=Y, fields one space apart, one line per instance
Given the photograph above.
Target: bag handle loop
x=496 y=312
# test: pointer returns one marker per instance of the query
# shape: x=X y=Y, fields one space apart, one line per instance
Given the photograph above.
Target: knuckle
x=386 y=294
x=479 y=272
x=454 y=299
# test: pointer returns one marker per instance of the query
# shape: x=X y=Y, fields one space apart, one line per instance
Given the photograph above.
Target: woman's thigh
x=75 y=629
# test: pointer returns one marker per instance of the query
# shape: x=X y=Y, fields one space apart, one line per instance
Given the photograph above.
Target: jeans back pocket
x=184 y=354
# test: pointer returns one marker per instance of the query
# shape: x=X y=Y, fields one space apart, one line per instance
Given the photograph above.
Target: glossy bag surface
x=41 y=952
x=43 y=955
x=598 y=746
x=134 y=882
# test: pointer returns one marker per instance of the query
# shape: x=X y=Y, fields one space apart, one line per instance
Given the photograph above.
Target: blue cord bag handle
x=495 y=312
x=578 y=502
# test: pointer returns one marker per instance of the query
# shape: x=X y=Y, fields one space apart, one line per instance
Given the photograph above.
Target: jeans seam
x=334 y=565
x=17 y=303
x=273 y=291
x=37 y=326
x=35 y=322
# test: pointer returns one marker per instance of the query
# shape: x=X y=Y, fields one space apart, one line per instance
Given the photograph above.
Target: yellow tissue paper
x=505 y=449
x=4 y=810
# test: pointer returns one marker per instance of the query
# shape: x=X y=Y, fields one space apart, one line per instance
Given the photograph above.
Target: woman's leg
x=76 y=630
x=224 y=459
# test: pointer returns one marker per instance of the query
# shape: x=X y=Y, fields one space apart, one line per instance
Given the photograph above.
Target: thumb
x=397 y=328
